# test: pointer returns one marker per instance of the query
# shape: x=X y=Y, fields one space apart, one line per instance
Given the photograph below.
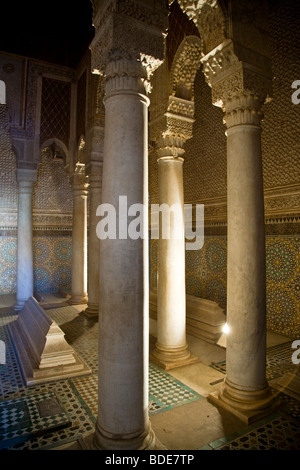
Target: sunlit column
x=241 y=83
x=79 y=237
x=126 y=50
x=245 y=391
x=171 y=348
x=245 y=386
x=123 y=421
x=25 y=283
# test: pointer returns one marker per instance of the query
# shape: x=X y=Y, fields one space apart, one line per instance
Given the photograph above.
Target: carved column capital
x=171 y=125
x=230 y=71
x=240 y=81
x=129 y=42
x=243 y=109
x=79 y=180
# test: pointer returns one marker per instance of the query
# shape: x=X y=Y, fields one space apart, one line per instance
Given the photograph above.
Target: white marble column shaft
x=123 y=421
x=171 y=349
x=95 y=186
x=25 y=281
x=245 y=390
x=79 y=241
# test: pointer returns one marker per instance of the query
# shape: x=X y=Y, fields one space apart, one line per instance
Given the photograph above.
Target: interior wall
x=205 y=182
x=8 y=208
x=52 y=220
x=52 y=204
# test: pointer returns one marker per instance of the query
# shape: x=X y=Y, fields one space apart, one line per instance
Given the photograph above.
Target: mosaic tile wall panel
x=283 y=285
x=206 y=278
x=52 y=264
x=8 y=260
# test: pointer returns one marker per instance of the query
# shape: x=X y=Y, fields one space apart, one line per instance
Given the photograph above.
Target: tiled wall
x=52 y=264
x=206 y=278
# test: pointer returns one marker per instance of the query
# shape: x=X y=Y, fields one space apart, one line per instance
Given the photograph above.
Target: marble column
x=128 y=46
x=79 y=237
x=171 y=348
x=245 y=391
x=25 y=283
x=123 y=421
x=95 y=186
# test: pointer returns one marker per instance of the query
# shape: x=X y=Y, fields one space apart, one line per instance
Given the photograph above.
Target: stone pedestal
x=79 y=237
x=26 y=179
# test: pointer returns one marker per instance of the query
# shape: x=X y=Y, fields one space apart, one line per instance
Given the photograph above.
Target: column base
x=248 y=406
x=98 y=441
x=78 y=299
x=91 y=312
x=170 y=358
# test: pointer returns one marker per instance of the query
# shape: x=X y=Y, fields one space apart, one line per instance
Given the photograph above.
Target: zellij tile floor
x=54 y=414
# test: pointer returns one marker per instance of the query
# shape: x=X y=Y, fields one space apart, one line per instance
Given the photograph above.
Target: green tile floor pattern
x=79 y=396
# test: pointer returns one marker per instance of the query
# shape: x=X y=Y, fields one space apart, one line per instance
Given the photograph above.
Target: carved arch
x=211 y=19
x=57 y=146
x=184 y=68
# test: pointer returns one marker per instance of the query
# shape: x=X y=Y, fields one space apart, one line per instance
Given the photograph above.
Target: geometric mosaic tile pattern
x=23 y=428
x=26 y=417
x=206 y=277
x=165 y=392
x=52 y=263
x=78 y=396
x=275 y=433
x=283 y=284
x=278 y=361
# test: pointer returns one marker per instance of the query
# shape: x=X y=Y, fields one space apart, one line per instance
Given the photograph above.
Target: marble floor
x=55 y=414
